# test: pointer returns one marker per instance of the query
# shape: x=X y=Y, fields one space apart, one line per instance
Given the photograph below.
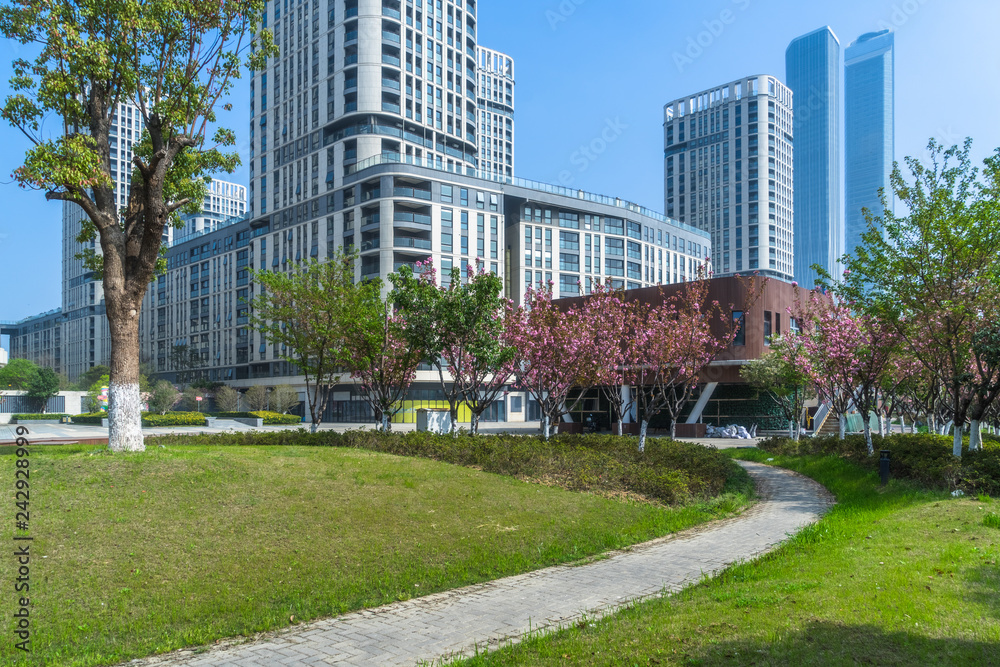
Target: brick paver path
x=456 y=622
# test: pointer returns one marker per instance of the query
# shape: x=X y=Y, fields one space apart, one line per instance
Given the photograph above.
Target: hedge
x=173 y=419
x=92 y=419
x=668 y=472
x=268 y=417
x=37 y=417
x=922 y=457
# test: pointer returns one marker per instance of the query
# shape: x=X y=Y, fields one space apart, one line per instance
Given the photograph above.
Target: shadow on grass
x=830 y=643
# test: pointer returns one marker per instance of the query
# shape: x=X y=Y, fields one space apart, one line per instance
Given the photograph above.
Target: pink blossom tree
x=551 y=359
x=675 y=344
x=850 y=354
x=614 y=324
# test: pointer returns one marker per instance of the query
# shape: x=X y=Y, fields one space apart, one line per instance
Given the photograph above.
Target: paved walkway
x=454 y=623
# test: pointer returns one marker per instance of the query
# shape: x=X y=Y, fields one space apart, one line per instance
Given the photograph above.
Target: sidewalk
x=456 y=623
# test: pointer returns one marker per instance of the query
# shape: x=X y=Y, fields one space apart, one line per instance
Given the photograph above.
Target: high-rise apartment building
x=869 y=129
x=728 y=171
x=223 y=201
x=812 y=72
x=496 y=114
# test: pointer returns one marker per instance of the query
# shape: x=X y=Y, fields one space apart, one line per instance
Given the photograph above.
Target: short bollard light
x=883 y=465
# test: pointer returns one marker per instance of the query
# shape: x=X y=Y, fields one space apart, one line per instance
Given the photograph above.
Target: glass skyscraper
x=812 y=71
x=869 y=129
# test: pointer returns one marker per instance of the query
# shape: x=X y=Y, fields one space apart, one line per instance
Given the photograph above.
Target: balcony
x=414 y=193
x=411 y=242
x=408 y=218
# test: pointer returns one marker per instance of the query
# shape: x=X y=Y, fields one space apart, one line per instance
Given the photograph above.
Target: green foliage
x=925 y=458
x=270 y=418
x=91 y=376
x=26 y=417
x=43 y=386
x=668 y=472
x=163 y=397
x=782 y=373
x=227 y=399
x=992 y=520
x=308 y=313
x=173 y=419
x=90 y=418
x=17 y=374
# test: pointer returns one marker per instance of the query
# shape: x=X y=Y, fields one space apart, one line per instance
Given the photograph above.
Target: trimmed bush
x=276 y=418
x=270 y=418
x=173 y=419
x=922 y=457
x=36 y=417
x=668 y=472
x=90 y=419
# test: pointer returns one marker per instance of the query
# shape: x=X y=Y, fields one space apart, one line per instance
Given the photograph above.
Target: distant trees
x=163 y=397
x=227 y=399
x=783 y=372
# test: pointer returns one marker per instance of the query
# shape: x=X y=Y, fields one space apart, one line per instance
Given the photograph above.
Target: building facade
x=869 y=129
x=224 y=201
x=396 y=214
x=496 y=113
x=812 y=72
x=728 y=171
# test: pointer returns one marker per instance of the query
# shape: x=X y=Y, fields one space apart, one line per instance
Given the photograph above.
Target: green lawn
x=896 y=576
x=178 y=546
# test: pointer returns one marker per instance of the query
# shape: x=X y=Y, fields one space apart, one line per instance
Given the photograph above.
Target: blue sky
x=587 y=66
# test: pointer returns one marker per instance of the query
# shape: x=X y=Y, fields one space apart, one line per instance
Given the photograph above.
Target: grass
x=893 y=576
x=179 y=546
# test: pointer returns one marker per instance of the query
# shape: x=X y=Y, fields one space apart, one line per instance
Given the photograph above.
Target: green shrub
x=270 y=418
x=925 y=458
x=173 y=419
x=668 y=472
x=991 y=520
x=91 y=419
x=276 y=418
x=36 y=417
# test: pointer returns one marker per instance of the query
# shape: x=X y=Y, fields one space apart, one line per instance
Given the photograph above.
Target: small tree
x=383 y=361
x=163 y=398
x=283 y=399
x=613 y=324
x=307 y=311
x=783 y=373
x=256 y=397
x=92 y=375
x=227 y=399
x=675 y=346
x=43 y=386
x=189 y=399
x=551 y=359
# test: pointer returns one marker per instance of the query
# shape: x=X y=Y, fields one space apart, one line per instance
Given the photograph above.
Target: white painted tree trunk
x=975 y=436
x=545 y=427
x=902 y=424
x=642 y=435
x=125 y=418
x=868 y=438
x=881 y=425
x=956 y=447
x=842 y=424
x=792 y=431
x=385 y=423
x=313 y=427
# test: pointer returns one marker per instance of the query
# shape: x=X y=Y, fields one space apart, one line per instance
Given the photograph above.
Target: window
x=614 y=247
x=447 y=195
x=515 y=404
x=767 y=327
x=569 y=262
x=739 y=325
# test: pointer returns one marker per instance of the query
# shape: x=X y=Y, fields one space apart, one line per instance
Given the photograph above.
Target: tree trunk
x=793 y=432
x=314 y=427
x=902 y=423
x=673 y=428
x=453 y=414
x=868 y=438
x=474 y=426
x=618 y=426
x=881 y=424
x=956 y=449
x=642 y=434
x=545 y=426
x=975 y=436
x=842 y=419
x=124 y=401
x=385 y=423
x=930 y=422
